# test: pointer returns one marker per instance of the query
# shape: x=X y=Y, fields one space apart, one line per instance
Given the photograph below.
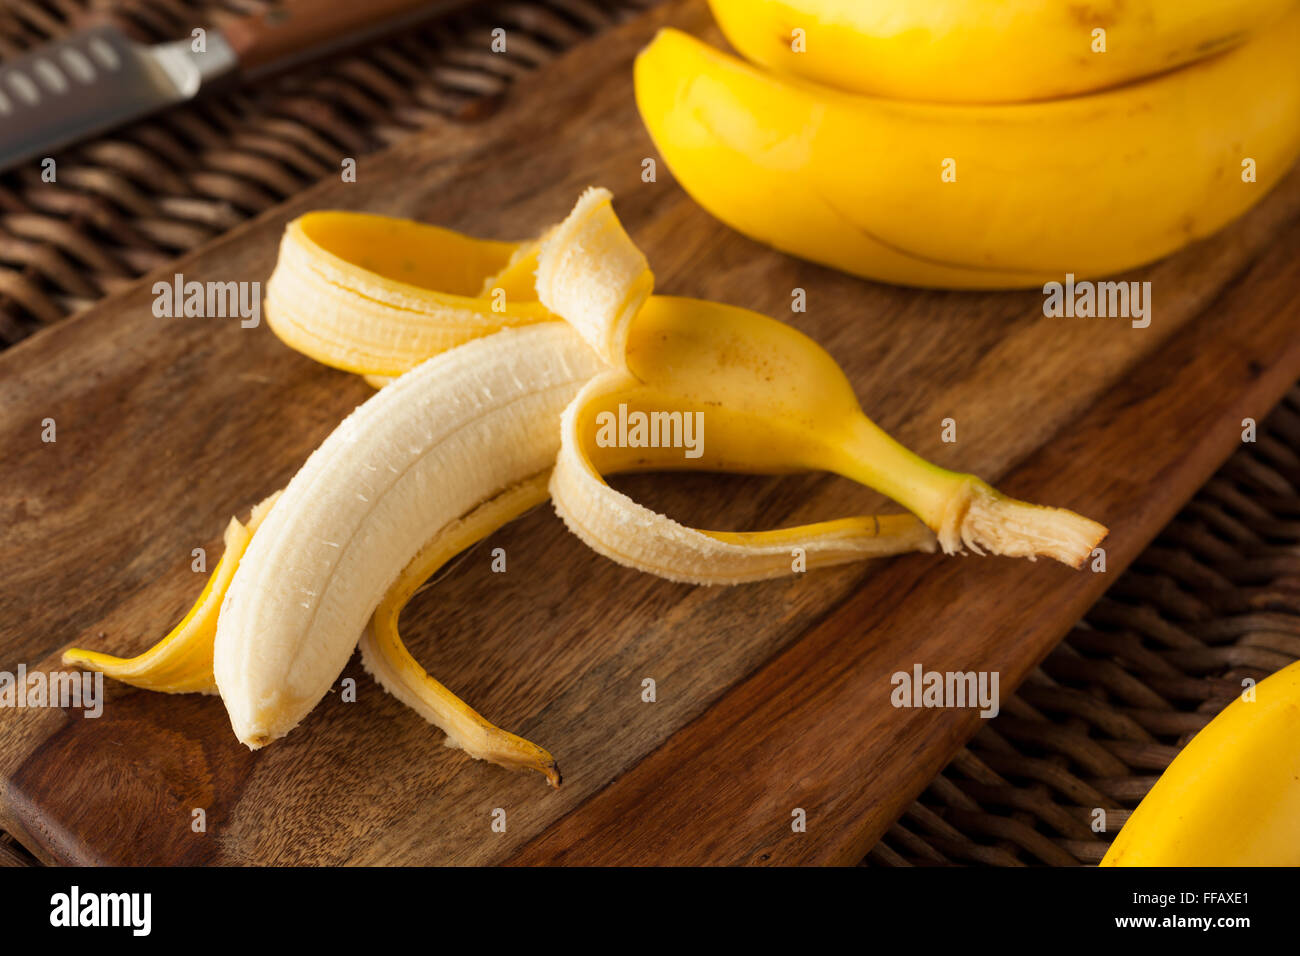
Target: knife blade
x=96 y=79
x=93 y=80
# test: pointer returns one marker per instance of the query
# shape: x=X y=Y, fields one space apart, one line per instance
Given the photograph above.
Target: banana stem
x=872 y=457
x=963 y=511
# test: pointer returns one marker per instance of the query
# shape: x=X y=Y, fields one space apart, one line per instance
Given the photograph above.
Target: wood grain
x=814 y=728
x=766 y=693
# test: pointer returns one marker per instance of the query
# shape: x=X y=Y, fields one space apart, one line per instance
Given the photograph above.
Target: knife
x=97 y=78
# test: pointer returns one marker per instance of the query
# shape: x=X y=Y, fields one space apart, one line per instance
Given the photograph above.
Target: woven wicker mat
x=1214 y=599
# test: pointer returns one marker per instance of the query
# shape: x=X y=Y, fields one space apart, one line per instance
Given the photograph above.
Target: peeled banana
x=1232 y=796
x=420 y=454
x=973 y=51
x=976 y=196
x=463 y=436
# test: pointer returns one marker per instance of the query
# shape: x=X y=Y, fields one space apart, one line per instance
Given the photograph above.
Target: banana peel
x=386 y=658
x=181 y=663
x=381 y=298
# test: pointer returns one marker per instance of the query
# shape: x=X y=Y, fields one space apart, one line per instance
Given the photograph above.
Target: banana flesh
x=1088 y=186
x=971 y=51
x=1232 y=796
x=422 y=452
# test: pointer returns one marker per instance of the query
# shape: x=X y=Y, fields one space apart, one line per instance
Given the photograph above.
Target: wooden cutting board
x=770 y=697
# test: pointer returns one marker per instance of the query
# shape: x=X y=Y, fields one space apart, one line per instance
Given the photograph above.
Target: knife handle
x=296 y=29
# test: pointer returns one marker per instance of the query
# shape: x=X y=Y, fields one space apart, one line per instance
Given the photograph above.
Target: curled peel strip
x=378 y=296
x=778 y=402
x=386 y=658
x=591 y=274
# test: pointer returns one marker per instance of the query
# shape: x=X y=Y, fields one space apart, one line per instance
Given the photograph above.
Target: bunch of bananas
x=963 y=144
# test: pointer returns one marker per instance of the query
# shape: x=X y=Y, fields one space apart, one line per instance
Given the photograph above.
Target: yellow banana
x=973 y=51
x=1232 y=796
x=461 y=443
x=975 y=196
